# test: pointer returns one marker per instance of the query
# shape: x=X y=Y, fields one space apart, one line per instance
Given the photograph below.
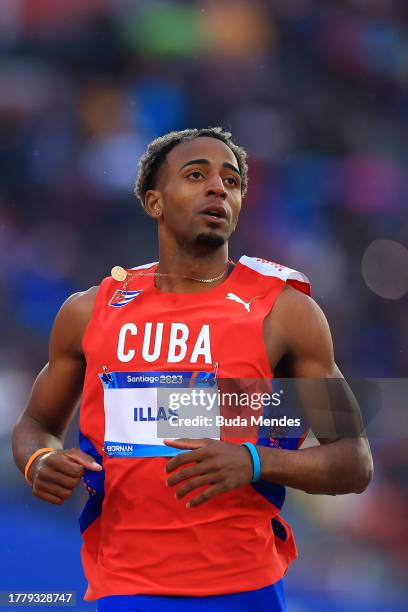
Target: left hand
x=222 y=465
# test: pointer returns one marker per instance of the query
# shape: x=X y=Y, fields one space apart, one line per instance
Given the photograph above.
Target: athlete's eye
x=195 y=175
x=231 y=180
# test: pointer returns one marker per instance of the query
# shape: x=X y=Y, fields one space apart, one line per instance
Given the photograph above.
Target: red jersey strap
x=109 y=292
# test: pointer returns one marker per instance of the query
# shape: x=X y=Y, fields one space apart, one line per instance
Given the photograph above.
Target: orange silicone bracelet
x=40 y=451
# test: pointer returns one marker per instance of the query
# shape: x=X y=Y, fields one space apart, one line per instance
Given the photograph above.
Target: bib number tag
x=143 y=408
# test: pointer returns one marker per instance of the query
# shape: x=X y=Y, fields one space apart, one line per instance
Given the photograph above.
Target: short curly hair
x=157 y=150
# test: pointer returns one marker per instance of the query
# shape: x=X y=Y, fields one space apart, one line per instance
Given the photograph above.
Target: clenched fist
x=55 y=475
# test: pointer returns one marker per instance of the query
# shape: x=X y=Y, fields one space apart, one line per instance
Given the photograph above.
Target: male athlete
x=199 y=529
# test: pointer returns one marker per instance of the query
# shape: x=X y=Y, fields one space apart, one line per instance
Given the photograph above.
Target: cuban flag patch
x=122 y=298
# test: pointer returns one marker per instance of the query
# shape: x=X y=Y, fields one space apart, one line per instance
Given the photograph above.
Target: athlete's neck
x=182 y=267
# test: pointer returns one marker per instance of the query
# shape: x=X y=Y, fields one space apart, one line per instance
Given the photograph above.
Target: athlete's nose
x=217 y=188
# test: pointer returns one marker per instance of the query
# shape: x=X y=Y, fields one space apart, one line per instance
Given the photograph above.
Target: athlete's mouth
x=215 y=213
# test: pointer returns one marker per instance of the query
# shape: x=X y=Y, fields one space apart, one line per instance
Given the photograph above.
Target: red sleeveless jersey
x=139 y=539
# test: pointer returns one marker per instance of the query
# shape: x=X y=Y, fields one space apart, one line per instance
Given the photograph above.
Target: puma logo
x=235 y=298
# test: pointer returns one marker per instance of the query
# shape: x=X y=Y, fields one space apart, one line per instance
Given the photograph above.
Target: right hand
x=56 y=474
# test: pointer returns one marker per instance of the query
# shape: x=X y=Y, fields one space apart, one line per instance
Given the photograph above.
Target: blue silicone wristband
x=256 y=462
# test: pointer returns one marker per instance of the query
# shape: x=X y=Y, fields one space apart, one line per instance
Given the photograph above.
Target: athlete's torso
x=137 y=537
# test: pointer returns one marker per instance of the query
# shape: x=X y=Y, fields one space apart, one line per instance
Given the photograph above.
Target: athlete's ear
x=153 y=203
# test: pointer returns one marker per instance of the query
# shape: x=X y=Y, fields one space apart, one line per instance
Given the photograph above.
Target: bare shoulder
x=77 y=309
x=71 y=322
x=80 y=303
x=299 y=327
x=295 y=307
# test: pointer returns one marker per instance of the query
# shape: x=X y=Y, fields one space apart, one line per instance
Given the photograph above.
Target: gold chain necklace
x=120 y=274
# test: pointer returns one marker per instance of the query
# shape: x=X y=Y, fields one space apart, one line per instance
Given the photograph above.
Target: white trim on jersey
x=144 y=266
x=271 y=268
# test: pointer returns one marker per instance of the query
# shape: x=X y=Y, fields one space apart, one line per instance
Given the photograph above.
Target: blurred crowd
x=317 y=92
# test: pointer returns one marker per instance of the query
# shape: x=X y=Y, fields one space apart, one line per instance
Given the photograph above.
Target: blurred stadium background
x=318 y=94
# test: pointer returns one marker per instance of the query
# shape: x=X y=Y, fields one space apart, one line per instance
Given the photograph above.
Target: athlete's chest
x=151 y=331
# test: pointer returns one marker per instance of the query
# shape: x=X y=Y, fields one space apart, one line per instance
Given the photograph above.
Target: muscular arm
x=342 y=463
x=52 y=404
x=297 y=337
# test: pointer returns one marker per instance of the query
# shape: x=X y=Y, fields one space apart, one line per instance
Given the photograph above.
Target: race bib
x=143 y=408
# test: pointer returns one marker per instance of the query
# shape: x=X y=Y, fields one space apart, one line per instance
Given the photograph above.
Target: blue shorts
x=268 y=599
